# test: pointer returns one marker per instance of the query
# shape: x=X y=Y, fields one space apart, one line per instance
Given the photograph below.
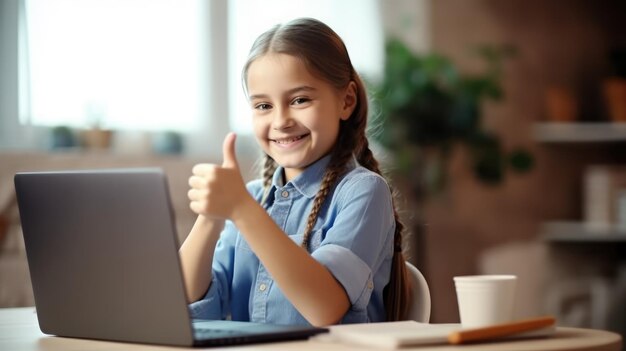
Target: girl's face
x=295 y=114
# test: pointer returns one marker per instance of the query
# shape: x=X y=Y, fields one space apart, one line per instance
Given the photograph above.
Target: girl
x=317 y=240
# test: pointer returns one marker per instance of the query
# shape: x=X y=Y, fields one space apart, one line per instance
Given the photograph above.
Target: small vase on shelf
x=96 y=138
x=615 y=98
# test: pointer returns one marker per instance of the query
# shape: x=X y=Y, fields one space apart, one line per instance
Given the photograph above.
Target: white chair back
x=419 y=306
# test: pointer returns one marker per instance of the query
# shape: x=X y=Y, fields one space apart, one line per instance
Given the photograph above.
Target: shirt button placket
x=259 y=310
x=279 y=212
x=281 y=206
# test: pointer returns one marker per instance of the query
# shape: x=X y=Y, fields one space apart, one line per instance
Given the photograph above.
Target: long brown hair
x=324 y=54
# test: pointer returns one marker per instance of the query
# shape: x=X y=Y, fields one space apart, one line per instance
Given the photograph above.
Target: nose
x=281 y=119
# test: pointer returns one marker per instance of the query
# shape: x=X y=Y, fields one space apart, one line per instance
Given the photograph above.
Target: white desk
x=19 y=331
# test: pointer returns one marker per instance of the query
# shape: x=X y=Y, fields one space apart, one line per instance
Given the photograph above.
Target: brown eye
x=262 y=106
x=300 y=101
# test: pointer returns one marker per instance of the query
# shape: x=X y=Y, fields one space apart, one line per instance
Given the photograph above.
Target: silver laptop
x=103 y=258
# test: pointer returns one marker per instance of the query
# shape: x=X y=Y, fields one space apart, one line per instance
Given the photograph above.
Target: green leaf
x=521 y=161
x=426 y=103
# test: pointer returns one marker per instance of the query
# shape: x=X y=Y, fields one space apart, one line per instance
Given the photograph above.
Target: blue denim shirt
x=352 y=238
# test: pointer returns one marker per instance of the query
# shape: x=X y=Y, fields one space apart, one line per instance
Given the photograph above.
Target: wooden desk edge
x=596 y=340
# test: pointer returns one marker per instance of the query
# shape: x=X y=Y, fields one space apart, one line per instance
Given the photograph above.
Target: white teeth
x=287 y=141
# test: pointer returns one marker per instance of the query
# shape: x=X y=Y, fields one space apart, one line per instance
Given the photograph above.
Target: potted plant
x=62 y=137
x=95 y=136
x=427 y=107
x=168 y=142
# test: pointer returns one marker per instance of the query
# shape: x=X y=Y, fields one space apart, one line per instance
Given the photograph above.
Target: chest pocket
x=241 y=243
x=315 y=239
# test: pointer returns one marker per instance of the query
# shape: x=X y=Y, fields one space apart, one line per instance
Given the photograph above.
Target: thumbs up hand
x=216 y=191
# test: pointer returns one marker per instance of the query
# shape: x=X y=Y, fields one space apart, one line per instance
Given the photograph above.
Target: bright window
x=122 y=64
x=143 y=64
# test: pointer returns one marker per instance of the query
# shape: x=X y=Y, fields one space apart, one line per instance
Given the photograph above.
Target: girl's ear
x=349 y=101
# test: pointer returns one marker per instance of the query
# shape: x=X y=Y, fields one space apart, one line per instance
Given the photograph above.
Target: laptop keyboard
x=205 y=333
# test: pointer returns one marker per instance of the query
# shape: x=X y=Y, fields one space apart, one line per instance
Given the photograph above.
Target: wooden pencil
x=500 y=330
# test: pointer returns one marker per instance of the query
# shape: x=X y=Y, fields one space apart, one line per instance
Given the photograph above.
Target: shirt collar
x=309 y=181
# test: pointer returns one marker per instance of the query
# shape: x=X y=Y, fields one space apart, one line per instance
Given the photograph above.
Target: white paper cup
x=485 y=299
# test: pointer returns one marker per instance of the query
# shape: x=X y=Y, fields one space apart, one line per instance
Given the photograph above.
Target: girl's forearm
x=196 y=256
x=308 y=285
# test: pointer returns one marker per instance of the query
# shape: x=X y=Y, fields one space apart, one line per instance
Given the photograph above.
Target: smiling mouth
x=287 y=141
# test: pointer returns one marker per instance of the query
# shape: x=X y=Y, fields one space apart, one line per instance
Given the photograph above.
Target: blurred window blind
x=121 y=64
x=358 y=22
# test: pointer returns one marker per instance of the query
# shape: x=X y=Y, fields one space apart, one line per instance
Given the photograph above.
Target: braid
x=397 y=292
x=269 y=167
x=334 y=171
x=329 y=178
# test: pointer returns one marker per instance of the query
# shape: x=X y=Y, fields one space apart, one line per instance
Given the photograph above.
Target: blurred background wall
x=560 y=44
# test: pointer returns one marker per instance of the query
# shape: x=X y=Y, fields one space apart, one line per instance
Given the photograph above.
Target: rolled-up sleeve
x=210 y=306
x=352 y=273
x=215 y=303
x=360 y=237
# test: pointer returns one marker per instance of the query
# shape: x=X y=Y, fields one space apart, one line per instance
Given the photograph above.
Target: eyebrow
x=304 y=88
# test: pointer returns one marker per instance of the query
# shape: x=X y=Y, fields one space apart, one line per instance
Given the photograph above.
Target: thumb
x=228 y=149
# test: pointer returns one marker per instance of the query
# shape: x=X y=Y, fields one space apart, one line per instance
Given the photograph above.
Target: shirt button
x=262 y=287
x=370 y=285
x=285 y=193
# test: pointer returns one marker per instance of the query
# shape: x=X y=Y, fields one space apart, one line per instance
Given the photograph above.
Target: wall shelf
x=579 y=132
x=581 y=232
